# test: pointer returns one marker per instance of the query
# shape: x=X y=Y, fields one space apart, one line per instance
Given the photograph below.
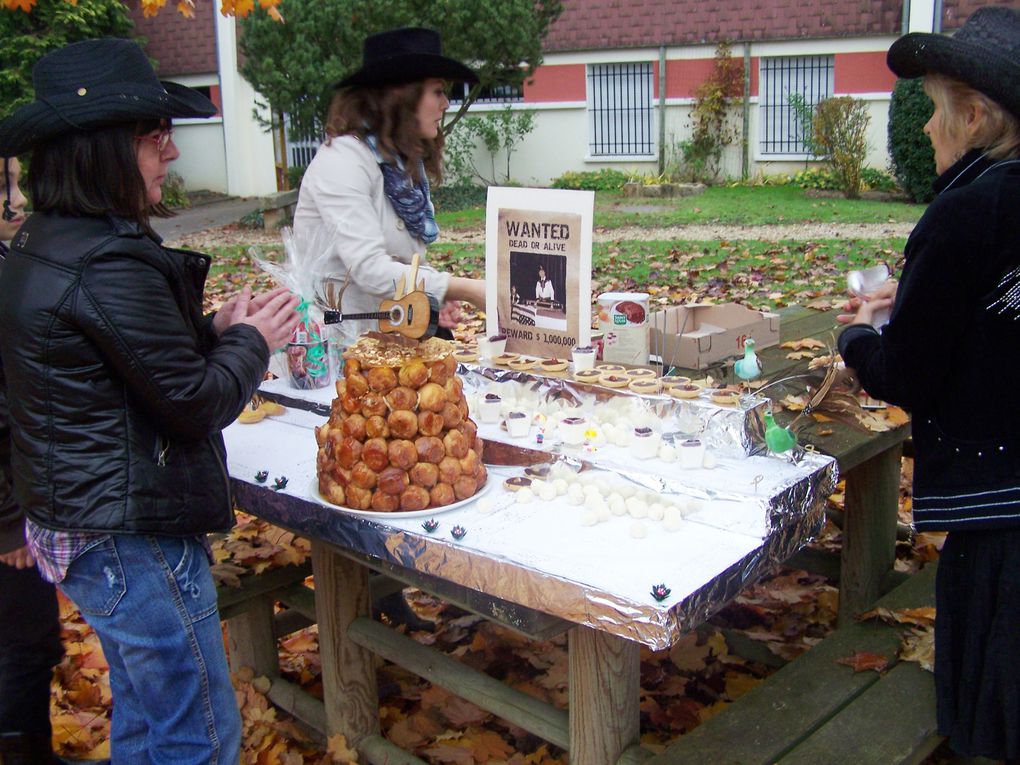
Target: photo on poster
x=538 y=290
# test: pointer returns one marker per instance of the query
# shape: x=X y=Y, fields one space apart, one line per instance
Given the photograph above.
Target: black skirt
x=977 y=643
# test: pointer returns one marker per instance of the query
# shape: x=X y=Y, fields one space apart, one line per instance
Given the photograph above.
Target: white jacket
x=343 y=186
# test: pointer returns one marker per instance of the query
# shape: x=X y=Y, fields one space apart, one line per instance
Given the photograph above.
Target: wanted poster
x=538 y=269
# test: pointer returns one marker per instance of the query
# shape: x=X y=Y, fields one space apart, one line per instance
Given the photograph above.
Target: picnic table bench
x=815 y=710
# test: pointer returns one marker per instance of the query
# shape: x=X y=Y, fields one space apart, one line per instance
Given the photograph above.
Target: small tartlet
x=504 y=359
x=611 y=368
x=645 y=386
x=593 y=376
x=724 y=397
x=516 y=483
x=465 y=355
x=687 y=390
x=672 y=381
x=640 y=373
x=521 y=364
x=614 y=380
x=552 y=365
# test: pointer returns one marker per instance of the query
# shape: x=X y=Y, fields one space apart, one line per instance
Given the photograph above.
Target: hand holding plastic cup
x=865 y=282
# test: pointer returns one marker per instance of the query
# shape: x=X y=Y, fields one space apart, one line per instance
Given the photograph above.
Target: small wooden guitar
x=414 y=314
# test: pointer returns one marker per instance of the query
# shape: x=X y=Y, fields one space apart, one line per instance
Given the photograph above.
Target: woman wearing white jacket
x=369 y=181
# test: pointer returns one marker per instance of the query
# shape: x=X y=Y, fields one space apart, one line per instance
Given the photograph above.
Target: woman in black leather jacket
x=119 y=388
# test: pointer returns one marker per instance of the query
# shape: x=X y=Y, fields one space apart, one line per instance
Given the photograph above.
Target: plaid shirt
x=54 y=551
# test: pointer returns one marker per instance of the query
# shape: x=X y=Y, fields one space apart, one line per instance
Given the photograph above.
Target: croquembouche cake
x=399 y=436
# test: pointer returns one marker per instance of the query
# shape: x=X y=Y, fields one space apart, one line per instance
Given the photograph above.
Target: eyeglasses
x=161 y=138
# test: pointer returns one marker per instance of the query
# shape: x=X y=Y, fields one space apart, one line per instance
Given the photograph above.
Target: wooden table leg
x=604 y=685
x=348 y=670
x=250 y=639
x=869 y=531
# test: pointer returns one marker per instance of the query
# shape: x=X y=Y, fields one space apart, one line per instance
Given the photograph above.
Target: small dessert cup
x=584 y=357
x=645 y=443
x=691 y=453
x=489 y=408
x=518 y=424
x=572 y=430
x=497 y=344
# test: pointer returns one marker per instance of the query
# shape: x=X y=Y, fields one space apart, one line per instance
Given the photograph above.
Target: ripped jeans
x=152 y=602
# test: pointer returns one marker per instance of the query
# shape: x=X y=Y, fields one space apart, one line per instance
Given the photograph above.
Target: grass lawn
x=737 y=205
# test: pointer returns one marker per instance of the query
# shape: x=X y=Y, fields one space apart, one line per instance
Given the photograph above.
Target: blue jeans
x=152 y=601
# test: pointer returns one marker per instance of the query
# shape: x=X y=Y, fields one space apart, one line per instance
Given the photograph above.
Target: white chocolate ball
x=524 y=496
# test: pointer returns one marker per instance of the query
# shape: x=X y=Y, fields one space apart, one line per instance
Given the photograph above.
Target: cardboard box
x=696 y=335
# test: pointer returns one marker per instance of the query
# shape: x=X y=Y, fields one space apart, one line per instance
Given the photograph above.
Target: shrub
x=841 y=126
x=913 y=158
x=878 y=180
x=174 y=195
x=605 y=179
x=712 y=129
x=824 y=178
x=817 y=178
x=294 y=176
x=458 y=196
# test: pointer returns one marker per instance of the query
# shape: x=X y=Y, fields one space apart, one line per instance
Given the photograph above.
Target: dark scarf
x=411 y=202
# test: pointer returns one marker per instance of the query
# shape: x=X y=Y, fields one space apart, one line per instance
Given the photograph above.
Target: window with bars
x=491 y=94
x=620 y=110
x=808 y=77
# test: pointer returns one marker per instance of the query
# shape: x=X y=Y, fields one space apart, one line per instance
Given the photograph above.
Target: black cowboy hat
x=91 y=84
x=984 y=53
x=406 y=55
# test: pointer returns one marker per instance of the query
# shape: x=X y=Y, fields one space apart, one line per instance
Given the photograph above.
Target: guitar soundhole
x=396 y=315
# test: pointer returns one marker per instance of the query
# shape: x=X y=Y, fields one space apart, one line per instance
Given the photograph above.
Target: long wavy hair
x=390 y=113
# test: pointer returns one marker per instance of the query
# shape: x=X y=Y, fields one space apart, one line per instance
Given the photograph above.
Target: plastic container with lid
x=623 y=319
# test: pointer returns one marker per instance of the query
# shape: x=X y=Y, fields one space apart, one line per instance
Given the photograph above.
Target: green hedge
x=592 y=180
x=913 y=158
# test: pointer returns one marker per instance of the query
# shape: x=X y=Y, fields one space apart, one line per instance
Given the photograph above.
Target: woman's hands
x=450 y=314
x=20 y=558
x=272 y=313
x=862 y=310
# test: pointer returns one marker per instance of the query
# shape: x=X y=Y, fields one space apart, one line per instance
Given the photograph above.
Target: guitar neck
x=335 y=317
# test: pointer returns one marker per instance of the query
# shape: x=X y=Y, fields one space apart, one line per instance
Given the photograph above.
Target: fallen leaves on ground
x=862 y=661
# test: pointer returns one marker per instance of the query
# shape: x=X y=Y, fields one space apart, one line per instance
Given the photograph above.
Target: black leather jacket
x=118 y=387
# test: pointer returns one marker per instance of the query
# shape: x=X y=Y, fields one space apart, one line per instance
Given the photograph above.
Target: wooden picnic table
x=603 y=719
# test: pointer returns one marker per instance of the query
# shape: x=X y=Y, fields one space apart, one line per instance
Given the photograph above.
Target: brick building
x=231 y=152
x=619 y=76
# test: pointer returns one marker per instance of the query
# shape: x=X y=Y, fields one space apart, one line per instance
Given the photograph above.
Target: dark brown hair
x=390 y=113
x=93 y=173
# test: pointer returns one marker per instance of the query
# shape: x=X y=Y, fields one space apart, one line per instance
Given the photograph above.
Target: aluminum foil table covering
x=753 y=514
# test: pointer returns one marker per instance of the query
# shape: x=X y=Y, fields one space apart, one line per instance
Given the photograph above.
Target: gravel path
x=701 y=233
x=226 y=235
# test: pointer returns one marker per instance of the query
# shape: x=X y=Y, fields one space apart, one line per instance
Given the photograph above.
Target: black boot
x=18 y=748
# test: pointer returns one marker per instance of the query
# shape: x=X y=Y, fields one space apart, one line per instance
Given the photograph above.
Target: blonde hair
x=998 y=132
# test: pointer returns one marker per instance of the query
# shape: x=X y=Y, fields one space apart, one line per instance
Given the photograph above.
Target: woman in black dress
x=949 y=343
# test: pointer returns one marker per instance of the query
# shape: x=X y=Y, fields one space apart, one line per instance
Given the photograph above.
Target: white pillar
x=922 y=16
x=250 y=159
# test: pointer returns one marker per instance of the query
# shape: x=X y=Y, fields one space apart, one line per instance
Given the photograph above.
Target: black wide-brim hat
x=984 y=54
x=92 y=84
x=406 y=55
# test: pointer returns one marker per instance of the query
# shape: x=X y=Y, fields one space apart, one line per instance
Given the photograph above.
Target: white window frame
x=621 y=113
x=778 y=78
